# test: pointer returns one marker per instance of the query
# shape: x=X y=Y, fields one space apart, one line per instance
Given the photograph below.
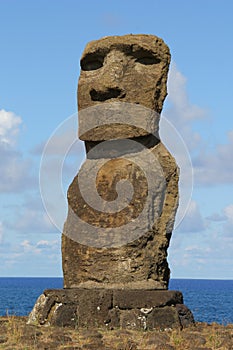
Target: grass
x=15 y=334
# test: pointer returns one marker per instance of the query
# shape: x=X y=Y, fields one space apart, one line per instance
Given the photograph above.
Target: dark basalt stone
x=111 y=308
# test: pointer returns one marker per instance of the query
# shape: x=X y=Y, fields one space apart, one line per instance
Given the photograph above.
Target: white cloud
x=28 y=247
x=229 y=212
x=207 y=253
x=215 y=168
x=182 y=112
x=1 y=232
x=33 y=221
x=63 y=141
x=43 y=243
x=48 y=245
x=216 y=217
x=193 y=221
x=15 y=171
x=31 y=217
x=228 y=226
x=211 y=166
x=40 y=247
x=26 y=214
x=59 y=145
x=9 y=127
x=196 y=254
x=177 y=95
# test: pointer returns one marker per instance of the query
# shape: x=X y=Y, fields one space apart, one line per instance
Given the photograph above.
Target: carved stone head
x=129 y=68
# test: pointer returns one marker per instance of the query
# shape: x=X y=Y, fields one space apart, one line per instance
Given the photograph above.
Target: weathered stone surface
x=142 y=261
x=124 y=247
x=185 y=315
x=131 y=299
x=88 y=308
x=130 y=68
x=166 y=317
x=41 y=309
x=62 y=315
x=132 y=319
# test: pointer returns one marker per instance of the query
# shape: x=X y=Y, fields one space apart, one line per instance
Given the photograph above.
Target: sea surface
x=209 y=300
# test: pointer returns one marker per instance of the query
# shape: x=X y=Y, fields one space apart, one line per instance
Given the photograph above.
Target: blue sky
x=41 y=44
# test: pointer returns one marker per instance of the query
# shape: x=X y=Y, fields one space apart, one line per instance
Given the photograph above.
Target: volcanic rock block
x=110 y=309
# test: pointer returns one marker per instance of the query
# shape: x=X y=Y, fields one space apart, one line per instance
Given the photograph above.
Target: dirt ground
x=15 y=334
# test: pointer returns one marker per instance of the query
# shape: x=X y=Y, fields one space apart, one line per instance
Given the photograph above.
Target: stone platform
x=111 y=308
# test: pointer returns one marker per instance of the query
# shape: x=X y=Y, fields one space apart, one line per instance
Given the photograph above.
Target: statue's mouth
x=107 y=94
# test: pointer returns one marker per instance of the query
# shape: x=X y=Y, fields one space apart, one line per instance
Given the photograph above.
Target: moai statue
x=121 y=91
x=123 y=201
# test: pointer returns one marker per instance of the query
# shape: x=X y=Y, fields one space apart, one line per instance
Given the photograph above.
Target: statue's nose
x=110 y=84
x=116 y=71
x=115 y=66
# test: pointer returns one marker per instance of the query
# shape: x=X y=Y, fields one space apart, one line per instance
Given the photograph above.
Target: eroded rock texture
x=121 y=91
x=111 y=309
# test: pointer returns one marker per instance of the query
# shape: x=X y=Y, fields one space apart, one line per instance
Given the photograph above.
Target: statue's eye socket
x=148 y=60
x=144 y=56
x=92 y=62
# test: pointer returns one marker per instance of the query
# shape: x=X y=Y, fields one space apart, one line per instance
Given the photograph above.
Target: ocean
x=209 y=300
